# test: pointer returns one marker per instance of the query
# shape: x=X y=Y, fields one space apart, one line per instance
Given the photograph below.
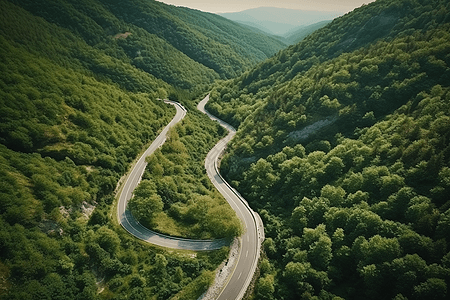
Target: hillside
x=279 y=21
x=356 y=31
x=181 y=46
x=295 y=36
x=343 y=149
x=76 y=108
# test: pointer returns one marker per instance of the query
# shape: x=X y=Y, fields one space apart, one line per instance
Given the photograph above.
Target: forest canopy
x=342 y=148
x=76 y=108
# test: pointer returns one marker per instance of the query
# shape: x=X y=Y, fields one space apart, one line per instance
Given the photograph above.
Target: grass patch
x=164 y=224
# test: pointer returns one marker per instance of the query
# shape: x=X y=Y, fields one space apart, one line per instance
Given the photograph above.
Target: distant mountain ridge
x=279 y=21
x=293 y=37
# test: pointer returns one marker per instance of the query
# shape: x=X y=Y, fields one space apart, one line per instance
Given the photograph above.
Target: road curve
x=253 y=228
x=127 y=220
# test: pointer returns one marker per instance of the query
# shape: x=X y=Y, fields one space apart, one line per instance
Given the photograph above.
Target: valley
x=310 y=166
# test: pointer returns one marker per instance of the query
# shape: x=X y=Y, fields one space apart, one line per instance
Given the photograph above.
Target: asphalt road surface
x=127 y=220
x=250 y=241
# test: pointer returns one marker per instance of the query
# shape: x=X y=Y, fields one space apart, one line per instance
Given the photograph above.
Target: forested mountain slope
x=75 y=111
x=295 y=36
x=343 y=149
x=382 y=21
x=184 y=47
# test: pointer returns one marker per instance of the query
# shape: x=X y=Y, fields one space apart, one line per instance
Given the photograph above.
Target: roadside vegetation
x=342 y=148
x=74 y=114
x=176 y=196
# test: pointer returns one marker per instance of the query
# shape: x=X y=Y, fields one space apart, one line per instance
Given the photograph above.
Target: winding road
x=131 y=225
x=250 y=241
x=253 y=227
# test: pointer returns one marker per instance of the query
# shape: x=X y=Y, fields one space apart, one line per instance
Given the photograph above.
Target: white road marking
x=232 y=197
x=130 y=224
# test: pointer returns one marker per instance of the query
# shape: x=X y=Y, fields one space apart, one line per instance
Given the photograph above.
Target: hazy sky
x=220 y=6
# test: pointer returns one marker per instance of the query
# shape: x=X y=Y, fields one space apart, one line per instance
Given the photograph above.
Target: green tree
x=108 y=239
x=432 y=288
x=376 y=250
x=270 y=247
x=265 y=287
x=145 y=205
x=299 y=220
x=296 y=272
x=261 y=175
x=335 y=195
x=320 y=253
